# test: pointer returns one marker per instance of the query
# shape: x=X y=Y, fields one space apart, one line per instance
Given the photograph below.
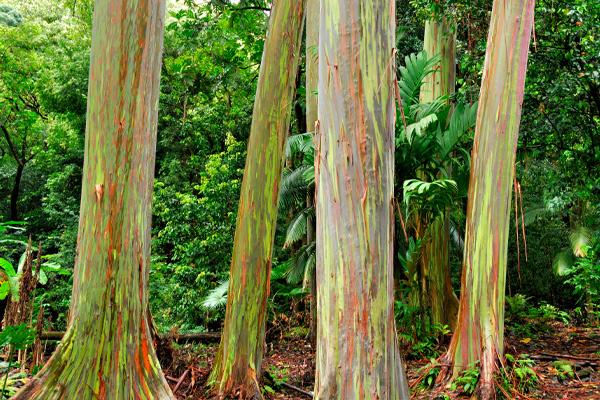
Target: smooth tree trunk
x=437 y=290
x=439 y=40
x=479 y=334
x=312 y=81
x=14 y=194
x=106 y=352
x=357 y=353
x=237 y=365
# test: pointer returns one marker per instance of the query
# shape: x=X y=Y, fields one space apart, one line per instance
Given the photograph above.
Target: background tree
x=479 y=335
x=357 y=353
x=439 y=42
x=237 y=366
x=107 y=351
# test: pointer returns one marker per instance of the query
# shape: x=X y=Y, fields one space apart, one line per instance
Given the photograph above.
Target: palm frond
x=299 y=144
x=462 y=120
x=301 y=264
x=295 y=185
x=418 y=128
x=311 y=264
x=412 y=74
x=580 y=239
x=563 y=262
x=296 y=230
x=216 y=297
x=422 y=110
x=430 y=197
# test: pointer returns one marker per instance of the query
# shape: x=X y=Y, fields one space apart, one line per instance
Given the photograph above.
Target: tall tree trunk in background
x=238 y=361
x=357 y=351
x=312 y=82
x=439 y=40
x=435 y=263
x=14 y=194
x=106 y=352
x=479 y=334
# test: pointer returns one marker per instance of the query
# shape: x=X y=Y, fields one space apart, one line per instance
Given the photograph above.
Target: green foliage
x=564 y=370
x=432 y=198
x=194 y=233
x=18 y=337
x=432 y=370
x=466 y=381
x=216 y=297
x=416 y=334
x=9 y=16
x=519 y=372
x=525 y=320
x=584 y=276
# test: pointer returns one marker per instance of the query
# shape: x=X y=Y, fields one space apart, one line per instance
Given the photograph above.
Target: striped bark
x=435 y=263
x=357 y=354
x=237 y=365
x=479 y=335
x=106 y=352
x=439 y=40
x=312 y=80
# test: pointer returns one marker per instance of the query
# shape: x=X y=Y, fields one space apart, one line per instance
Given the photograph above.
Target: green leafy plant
x=584 y=276
x=519 y=370
x=466 y=381
x=16 y=337
x=564 y=370
x=432 y=370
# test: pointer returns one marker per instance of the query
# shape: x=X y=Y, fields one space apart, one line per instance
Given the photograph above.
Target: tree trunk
x=479 y=334
x=238 y=361
x=14 y=194
x=435 y=263
x=357 y=350
x=107 y=352
x=439 y=40
x=312 y=81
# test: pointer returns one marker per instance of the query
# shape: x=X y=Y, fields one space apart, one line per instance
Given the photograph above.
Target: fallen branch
x=179 y=338
x=570 y=357
x=270 y=378
x=582 y=361
x=180 y=381
x=296 y=388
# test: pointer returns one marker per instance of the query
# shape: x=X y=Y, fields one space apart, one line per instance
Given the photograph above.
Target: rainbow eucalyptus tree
x=312 y=80
x=106 y=352
x=238 y=360
x=434 y=263
x=479 y=334
x=357 y=354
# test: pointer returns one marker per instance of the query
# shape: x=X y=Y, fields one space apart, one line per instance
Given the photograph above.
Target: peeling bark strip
x=357 y=354
x=435 y=263
x=239 y=358
x=479 y=335
x=106 y=352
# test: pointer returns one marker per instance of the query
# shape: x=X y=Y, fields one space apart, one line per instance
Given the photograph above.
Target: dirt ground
x=290 y=361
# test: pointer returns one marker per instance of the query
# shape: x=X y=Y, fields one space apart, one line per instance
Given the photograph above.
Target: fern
x=216 y=297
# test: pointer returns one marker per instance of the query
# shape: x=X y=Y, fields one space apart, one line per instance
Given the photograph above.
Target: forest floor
x=564 y=359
